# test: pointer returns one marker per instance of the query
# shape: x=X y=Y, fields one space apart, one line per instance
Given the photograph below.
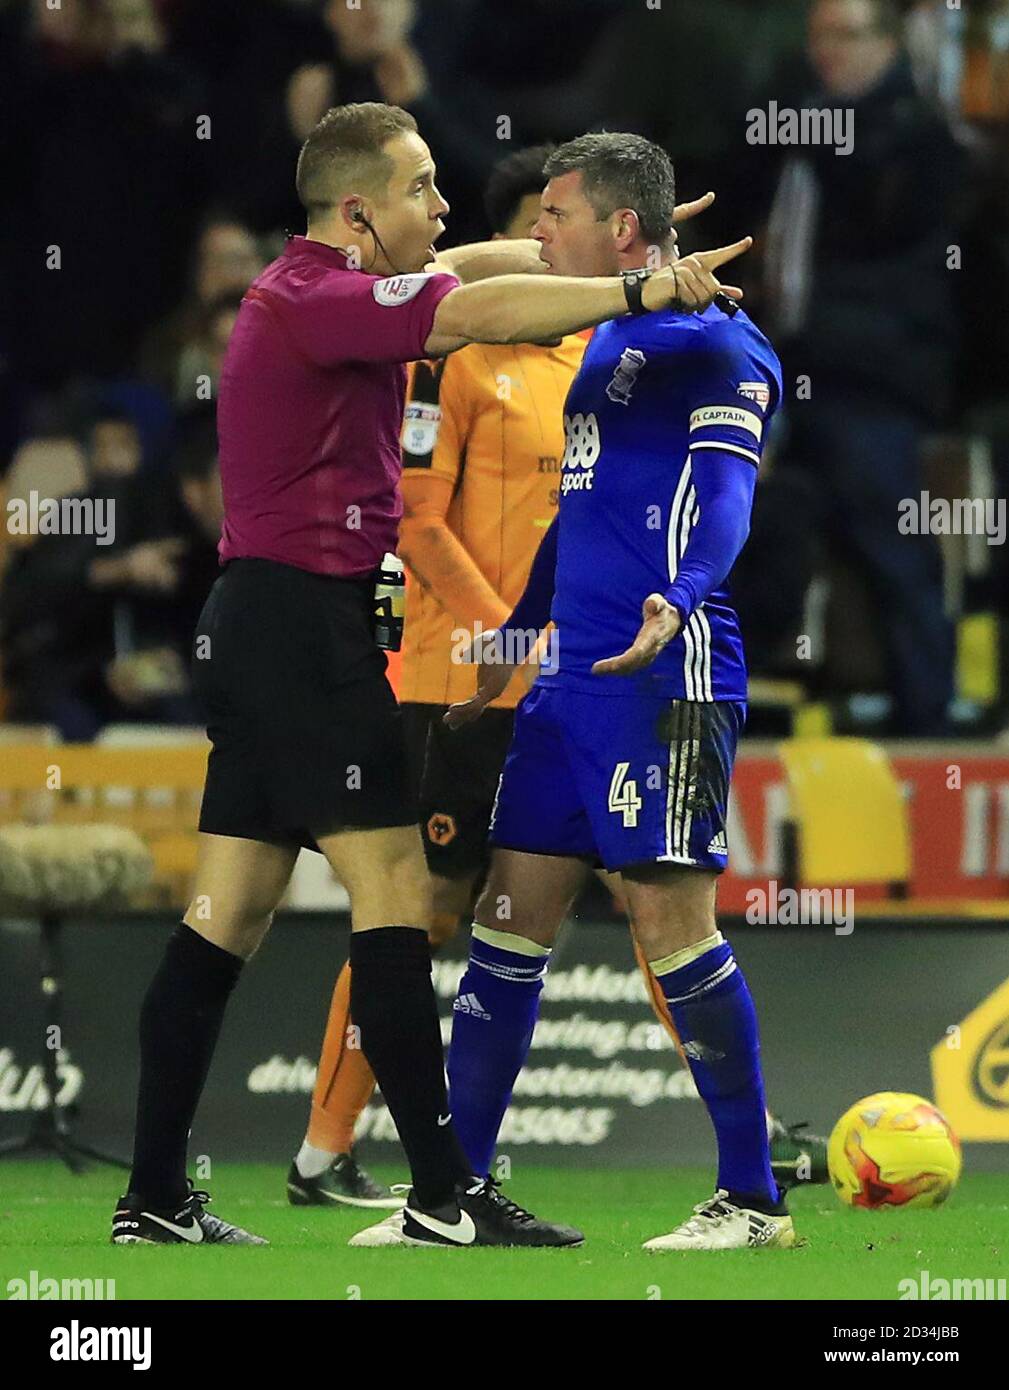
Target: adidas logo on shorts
x=470 y=1004
x=718 y=845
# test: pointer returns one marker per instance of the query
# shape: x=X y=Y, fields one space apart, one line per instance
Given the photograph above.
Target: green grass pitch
x=58 y=1225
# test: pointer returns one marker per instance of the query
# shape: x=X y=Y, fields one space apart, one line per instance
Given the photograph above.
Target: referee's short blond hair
x=345 y=153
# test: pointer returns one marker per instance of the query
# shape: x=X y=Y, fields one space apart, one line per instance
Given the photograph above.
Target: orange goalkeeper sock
x=658 y=1001
x=344 y=1082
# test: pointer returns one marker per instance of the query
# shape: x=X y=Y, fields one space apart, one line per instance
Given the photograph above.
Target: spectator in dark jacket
x=67 y=601
x=860 y=301
x=268 y=105
x=108 y=182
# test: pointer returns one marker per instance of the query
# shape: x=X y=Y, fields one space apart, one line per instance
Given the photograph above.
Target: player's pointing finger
x=684 y=211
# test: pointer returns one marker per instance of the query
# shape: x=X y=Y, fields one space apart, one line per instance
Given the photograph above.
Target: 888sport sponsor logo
x=581 y=450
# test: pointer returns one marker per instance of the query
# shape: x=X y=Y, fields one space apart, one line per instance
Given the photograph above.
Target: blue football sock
x=713 y=1011
x=493 y=1018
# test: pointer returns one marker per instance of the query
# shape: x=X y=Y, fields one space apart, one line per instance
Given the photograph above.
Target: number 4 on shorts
x=624 y=796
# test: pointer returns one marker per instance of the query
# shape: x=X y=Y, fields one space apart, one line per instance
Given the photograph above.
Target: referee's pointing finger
x=711 y=260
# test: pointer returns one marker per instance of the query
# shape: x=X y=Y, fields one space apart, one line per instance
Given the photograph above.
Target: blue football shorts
x=621 y=779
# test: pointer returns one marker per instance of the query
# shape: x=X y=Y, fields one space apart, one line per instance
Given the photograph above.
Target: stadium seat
x=156 y=793
x=152 y=735
x=28 y=733
x=849 y=822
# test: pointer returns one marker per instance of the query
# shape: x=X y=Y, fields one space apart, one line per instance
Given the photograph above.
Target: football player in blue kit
x=623 y=749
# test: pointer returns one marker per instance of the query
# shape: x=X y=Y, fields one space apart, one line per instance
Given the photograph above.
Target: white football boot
x=719 y=1224
x=387 y=1232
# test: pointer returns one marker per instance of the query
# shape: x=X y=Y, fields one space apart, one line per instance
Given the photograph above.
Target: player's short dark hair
x=513 y=179
x=621 y=171
x=345 y=153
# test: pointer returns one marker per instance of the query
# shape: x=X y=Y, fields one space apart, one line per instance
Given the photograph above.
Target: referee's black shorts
x=456 y=773
x=306 y=734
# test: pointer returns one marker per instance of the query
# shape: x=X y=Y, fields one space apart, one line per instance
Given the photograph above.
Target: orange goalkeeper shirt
x=483 y=438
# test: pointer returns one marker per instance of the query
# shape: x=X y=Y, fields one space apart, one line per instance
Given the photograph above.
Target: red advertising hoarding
x=958 y=802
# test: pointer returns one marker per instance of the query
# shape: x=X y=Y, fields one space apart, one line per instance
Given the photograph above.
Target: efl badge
x=398 y=289
x=420 y=428
x=758 y=391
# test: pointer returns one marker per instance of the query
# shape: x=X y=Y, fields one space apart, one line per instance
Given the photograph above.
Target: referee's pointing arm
x=524 y=308
x=392 y=231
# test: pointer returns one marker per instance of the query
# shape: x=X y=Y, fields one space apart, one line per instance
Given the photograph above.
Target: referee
x=307 y=744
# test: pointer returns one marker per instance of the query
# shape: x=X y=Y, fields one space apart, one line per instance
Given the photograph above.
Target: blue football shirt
x=653 y=394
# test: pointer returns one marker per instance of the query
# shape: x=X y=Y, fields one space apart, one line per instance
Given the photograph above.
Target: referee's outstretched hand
x=661 y=623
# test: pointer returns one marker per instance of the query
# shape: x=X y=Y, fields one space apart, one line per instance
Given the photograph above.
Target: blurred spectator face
x=227 y=261
x=72 y=25
x=366 y=34
x=848 y=47
x=572 y=240
x=132 y=24
x=115 y=449
x=204 y=502
x=523 y=220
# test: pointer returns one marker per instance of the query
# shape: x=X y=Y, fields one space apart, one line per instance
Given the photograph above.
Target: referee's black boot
x=186 y=1224
x=480 y=1215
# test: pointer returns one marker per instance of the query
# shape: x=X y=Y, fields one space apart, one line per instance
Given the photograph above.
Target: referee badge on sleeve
x=398 y=289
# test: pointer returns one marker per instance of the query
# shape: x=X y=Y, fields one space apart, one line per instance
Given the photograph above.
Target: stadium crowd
x=152 y=178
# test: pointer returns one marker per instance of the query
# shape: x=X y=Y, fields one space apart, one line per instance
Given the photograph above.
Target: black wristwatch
x=633 y=283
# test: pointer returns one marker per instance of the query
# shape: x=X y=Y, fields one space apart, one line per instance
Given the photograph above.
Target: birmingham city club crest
x=622 y=384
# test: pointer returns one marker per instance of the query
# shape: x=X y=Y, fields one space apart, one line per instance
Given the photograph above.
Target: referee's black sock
x=179 y=1023
x=392 y=1002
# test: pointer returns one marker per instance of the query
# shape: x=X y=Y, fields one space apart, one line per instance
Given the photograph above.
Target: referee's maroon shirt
x=310 y=408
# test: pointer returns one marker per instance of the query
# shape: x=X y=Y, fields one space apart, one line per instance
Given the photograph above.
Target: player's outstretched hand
x=683 y=212
x=495 y=673
x=689 y=285
x=660 y=624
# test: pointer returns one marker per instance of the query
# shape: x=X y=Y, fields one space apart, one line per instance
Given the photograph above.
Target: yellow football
x=893 y=1150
